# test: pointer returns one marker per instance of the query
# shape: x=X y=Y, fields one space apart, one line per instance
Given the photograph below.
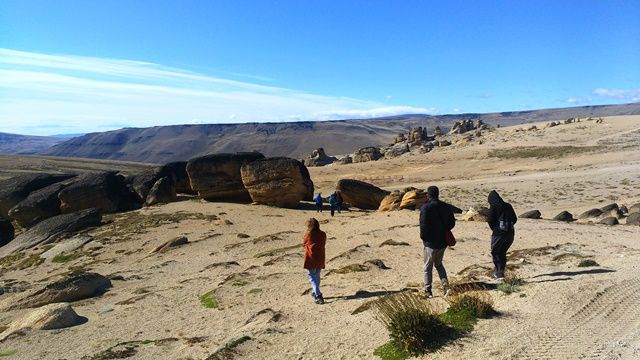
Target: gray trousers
x=433 y=257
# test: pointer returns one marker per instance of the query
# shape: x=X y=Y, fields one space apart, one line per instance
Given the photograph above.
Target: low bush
x=511 y=284
x=479 y=304
x=588 y=263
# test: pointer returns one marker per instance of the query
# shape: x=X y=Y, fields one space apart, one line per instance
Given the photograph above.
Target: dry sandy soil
x=562 y=312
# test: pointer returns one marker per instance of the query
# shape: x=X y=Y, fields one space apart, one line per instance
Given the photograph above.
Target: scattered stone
x=7 y=232
x=533 y=214
x=39 y=205
x=477 y=213
x=370 y=153
x=590 y=214
x=52 y=230
x=243 y=236
x=391 y=202
x=564 y=216
x=319 y=158
x=361 y=194
x=163 y=191
x=104 y=191
x=48 y=317
x=392 y=242
x=17 y=188
x=104 y=310
x=413 y=199
x=609 y=221
x=633 y=219
x=66 y=246
x=71 y=288
x=217 y=177
x=346 y=160
x=282 y=182
x=444 y=143
x=175 y=242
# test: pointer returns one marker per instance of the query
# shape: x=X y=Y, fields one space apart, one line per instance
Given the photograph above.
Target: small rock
x=564 y=216
x=533 y=214
x=609 y=221
x=52 y=316
x=175 y=242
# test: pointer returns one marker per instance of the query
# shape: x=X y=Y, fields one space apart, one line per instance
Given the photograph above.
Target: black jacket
x=499 y=208
x=436 y=217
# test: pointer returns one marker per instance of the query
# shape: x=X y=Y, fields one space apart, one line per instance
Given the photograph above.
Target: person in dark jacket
x=502 y=220
x=436 y=218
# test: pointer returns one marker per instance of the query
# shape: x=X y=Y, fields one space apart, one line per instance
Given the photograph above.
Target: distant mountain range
x=26 y=144
x=162 y=144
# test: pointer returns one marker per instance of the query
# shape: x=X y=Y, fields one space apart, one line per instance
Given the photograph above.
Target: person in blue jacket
x=318 y=200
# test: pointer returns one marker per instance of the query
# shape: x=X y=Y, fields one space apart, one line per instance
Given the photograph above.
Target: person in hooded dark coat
x=502 y=220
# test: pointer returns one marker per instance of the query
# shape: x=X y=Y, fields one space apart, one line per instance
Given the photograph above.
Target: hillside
x=26 y=144
x=295 y=139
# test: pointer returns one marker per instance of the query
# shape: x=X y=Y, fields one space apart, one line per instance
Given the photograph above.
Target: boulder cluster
x=573 y=120
x=463 y=126
x=407 y=199
x=55 y=206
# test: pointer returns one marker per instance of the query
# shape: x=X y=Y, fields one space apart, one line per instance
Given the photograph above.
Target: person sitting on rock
x=501 y=220
x=318 y=201
x=436 y=218
x=314 y=256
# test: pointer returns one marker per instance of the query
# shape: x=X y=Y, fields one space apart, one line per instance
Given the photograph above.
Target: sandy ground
x=562 y=312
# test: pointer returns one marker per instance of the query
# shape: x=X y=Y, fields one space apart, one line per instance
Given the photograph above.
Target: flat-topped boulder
x=39 y=205
x=370 y=153
x=52 y=230
x=17 y=188
x=280 y=181
x=105 y=191
x=361 y=194
x=73 y=287
x=217 y=177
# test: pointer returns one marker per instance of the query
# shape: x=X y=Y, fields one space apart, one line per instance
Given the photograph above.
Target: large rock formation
x=71 y=288
x=391 y=201
x=16 y=189
x=462 y=126
x=48 y=317
x=217 y=177
x=104 y=191
x=319 y=158
x=163 y=191
x=370 y=153
x=177 y=172
x=53 y=229
x=361 y=194
x=39 y=205
x=282 y=182
x=413 y=199
x=6 y=231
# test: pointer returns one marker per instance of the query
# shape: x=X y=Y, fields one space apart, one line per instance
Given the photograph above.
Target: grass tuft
x=209 y=301
x=588 y=263
x=479 y=304
x=389 y=351
x=8 y=352
x=64 y=258
x=511 y=284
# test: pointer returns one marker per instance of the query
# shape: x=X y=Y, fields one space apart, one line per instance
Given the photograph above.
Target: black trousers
x=500 y=244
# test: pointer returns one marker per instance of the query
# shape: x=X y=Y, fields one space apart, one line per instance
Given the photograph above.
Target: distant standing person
x=502 y=220
x=314 y=255
x=333 y=202
x=436 y=218
x=318 y=200
x=339 y=201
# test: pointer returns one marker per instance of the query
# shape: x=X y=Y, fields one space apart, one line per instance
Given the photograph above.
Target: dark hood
x=494 y=198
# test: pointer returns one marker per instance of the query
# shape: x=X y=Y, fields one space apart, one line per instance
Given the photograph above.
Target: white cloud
x=578 y=100
x=456 y=110
x=631 y=95
x=43 y=94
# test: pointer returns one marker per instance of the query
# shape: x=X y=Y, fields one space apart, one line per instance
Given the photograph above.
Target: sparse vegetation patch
x=552 y=152
x=588 y=263
x=209 y=301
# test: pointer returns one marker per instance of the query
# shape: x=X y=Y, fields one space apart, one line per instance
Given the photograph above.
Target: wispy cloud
x=82 y=94
x=578 y=100
x=630 y=95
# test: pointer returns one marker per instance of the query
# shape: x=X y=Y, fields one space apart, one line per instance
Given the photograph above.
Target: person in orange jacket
x=314 y=256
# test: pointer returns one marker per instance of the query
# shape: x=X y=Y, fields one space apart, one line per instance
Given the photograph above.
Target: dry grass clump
x=511 y=284
x=414 y=327
x=479 y=304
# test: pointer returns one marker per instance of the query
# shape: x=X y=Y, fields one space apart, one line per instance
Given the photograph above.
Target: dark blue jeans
x=500 y=244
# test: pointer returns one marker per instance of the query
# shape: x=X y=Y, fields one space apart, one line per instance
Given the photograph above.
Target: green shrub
x=511 y=284
x=389 y=351
x=588 y=263
x=479 y=304
x=8 y=352
x=461 y=320
x=413 y=325
x=209 y=301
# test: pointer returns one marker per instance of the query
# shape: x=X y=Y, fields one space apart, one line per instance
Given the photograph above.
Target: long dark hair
x=312 y=226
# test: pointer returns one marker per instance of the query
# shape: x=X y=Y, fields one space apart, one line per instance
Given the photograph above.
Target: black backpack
x=506 y=222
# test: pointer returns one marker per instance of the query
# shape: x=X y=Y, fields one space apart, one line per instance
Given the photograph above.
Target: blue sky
x=78 y=66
